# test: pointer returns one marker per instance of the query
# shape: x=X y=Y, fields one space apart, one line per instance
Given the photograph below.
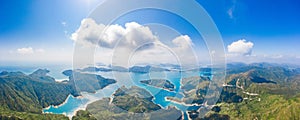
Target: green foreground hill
x=24 y=96
x=267 y=92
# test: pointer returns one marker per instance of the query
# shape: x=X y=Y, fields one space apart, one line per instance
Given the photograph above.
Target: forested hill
x=260 y=91
x=30 y=93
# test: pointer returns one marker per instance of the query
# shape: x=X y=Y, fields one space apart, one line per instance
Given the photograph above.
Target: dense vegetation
x=255 y=91
x=30 y=93
x=23 y=96
x=191 y=94
x=86 y=82
x=268 y=107
x=260 y=91
x=160 y=83
x=6 y=114
x=83 y=115
x=130 y=103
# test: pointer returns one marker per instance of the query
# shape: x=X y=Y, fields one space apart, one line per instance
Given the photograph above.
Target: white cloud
x=29 y=50
x=183 y=41
x=240 y=47
x=133 y=40
x=24 y=51
x=132 y=35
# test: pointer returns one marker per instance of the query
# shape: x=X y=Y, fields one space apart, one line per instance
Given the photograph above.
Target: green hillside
x=268 y=93
x=255 y=91
x=23 y=96
x=131 y=103
x=31 y=93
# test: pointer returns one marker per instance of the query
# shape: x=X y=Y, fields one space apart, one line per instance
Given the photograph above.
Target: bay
x=72 y=104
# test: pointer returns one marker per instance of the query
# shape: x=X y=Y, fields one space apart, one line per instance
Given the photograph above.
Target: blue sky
x=272 y=26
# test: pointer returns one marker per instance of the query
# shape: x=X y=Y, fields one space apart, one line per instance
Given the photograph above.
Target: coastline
x=109 y=90
x=171 y=99
x=182 y=112
x=90 y=97
x=56 y=106
x=160 y=88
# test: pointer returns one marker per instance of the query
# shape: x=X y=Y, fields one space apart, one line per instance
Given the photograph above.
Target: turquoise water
x=72 y=104
x=69 y=108
x=129 y=79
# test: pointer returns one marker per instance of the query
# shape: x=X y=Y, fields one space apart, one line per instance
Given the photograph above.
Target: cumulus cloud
x=132 y=35
x=240 y=47
x=183 y=41
x=241 y=51
x=29 y=50
x=132 y=39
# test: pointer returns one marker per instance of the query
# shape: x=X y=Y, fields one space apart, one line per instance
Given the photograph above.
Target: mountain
x=135 y=69
x=192 y=95
x=119 y=68
x=250 y=91
x=105 y=69
x=146 y=69
x=86 y=82
x=160 y=83
x=32 y=92
x=131 y=103
x=262 y=79
x=260 y=91
x=96 y=69
x=41 y=74
x=235 y=65
x=134 y=99
x=273 y=80
x=246 y=89
x=26 y=95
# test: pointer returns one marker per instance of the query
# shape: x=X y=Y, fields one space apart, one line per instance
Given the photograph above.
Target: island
x=131 y=103
x=86 y=82
x=160 y=83
x=146 y=69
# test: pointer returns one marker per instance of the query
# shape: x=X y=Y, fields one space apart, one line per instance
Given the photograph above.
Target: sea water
x=55 y=70
x=127 y=79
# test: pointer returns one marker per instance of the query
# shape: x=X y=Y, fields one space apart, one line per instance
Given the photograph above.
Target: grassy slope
x=13 y=115
x=271 y=107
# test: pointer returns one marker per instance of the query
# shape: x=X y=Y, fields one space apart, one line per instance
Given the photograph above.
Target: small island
x=131 y=103
x=160 y=83
x=86 y=82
